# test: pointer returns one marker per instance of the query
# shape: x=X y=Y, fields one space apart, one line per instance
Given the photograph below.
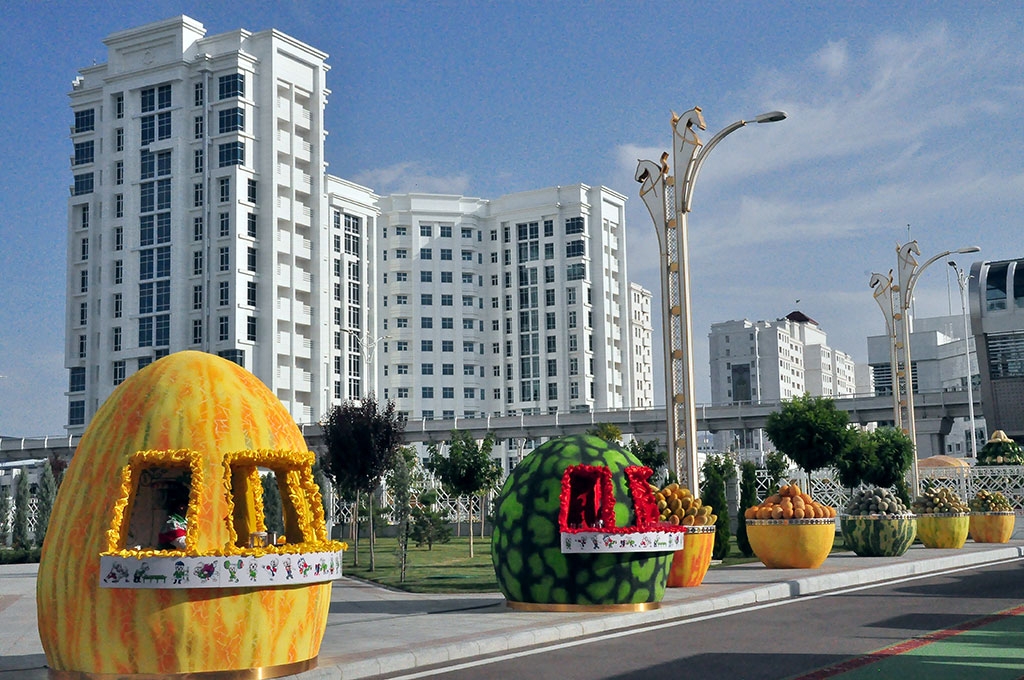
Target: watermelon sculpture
x=580 y=493
x=879 y=536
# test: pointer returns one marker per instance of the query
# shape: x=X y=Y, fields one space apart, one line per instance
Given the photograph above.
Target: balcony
x=302 y=149
x=284 y=310
x=303 y=282
x=302 y=247
x=303 y=215
x=303 y=347
x=301 y=381
x=302 y=314
x=303 y=119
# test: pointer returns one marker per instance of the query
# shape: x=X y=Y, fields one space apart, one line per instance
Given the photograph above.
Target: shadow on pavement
x=418 y=606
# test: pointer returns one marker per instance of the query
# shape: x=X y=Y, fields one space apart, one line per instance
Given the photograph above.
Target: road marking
x=681 y=622
x=908 y=645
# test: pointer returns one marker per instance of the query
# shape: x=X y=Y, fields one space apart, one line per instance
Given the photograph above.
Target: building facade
x=997 y=323
x=938 y=363
x=772 y=361
x=201 y=217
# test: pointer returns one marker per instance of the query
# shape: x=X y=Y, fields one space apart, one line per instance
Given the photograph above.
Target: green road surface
x=992 y=650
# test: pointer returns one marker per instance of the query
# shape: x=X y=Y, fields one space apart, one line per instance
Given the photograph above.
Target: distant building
x=937 y=364
x=772 y=361
x=997 y=322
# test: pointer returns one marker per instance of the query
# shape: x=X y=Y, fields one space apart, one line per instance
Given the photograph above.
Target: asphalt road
x=776 y=640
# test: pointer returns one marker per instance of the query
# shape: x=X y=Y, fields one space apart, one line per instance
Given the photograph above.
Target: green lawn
x=448 y=568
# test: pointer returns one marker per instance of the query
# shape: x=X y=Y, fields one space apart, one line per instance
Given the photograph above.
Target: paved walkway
x=371 y=630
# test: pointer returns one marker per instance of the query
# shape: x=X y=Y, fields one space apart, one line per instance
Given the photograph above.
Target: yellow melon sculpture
x=113 y=601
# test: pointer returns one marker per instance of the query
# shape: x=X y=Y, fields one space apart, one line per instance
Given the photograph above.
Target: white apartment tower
x=517 y=305
x=640 y=346
x=772 y=361
x=198 y=213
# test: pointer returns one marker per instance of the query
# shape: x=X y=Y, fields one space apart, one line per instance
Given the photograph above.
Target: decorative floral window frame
x=130 y=475
x=644 y=506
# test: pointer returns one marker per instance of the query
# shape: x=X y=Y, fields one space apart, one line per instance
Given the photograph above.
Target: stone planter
x=791 y=543
x=879 y=535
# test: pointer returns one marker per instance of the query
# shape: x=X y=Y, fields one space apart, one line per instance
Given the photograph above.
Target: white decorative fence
x=453 y=508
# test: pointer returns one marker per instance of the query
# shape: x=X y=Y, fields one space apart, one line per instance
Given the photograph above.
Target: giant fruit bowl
x=878 y=535
x=690 y=565
x=577 y=527
x=791 y=543
x=992 y=527
x=944 y=529
x=115 y=600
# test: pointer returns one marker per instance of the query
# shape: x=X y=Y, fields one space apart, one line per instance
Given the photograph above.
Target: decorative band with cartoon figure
x=226 y=571
x=634 y=541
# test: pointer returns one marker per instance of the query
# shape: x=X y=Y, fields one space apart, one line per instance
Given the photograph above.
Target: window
x=231 y=86
x=224 y=258
x=197 y=195
x=574 y=248
x=467 y=300
x=225 y=224
x=230 y=120
x=426 y=254
x=251 y=193
x=224 y=189
x=552 y=368
x=447 y=345
x=426 y=345
x=467 y=255
x=197 y=127
x=76 y=379
x=85 y=120
x=447 y=392
x=163 y=125
x=447 y=322
x=250 y=223
x=250 y=328
x=119 y=105
x=119 y=139
x=467 y=346
x=84 y=152
x=427 y=392
x=118 y=305
x=222 y=328
x=401 y=253
x=574 y=225
x=446 y=277
x=468 y=392
x=446 y=232
x=551 y=343
x=401 y=299
x=402 y=392
x=251 y=259
x=119 y=205
x=83 y=184
x=199 y=97
x=118 y=272
x=570 y=296
x=425 y=230
x=76 y=413
x=552 y=390
x=446 y=253
x=427 y=369
x=576 y=272
x=197 y=297
x=426 y=277
x=115 y=339
x=232 y=153
x=446 y=300
x=223 y=293
x=426 y=299
x=251 y=293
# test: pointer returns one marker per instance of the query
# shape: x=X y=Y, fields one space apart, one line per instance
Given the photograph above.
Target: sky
x=899 y=114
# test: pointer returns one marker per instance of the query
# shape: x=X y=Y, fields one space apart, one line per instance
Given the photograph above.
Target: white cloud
x=412 y=176
x=832 y=58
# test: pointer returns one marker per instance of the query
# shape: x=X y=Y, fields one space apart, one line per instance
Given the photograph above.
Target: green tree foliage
x=776 y=465
x=429 y=526
x=895 y=454
x=19 y=530
x=857 y=459
x=468 y=469
x=58 y=466
x=362 y=446
x=322 y=483
x=273 y=512
x=649 y=454
x=717 y=471
x=810 y=430
x=606 y=431
x=46 y=495
x=5 y=517
x=748 y=498
x=400 y=481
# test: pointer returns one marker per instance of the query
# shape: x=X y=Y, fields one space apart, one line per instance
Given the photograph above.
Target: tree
x=606 y=431
x=648 y=454
x=748 y=498
x=19 y=530
x=468 y=469
x=429 y=526
x=400 y=482
x=857 y=459
x=810 y=430
x=717 y=471
x=273 y=511
x=5 y=516
x=776 y=465
x=895 y=454
x=58 y=466
x=45 y=496
x=362 y=446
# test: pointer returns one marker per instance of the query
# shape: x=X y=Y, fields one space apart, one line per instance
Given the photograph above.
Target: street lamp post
x=668 y=198
x=883 y=293
x=961 y=278
x=909 y=274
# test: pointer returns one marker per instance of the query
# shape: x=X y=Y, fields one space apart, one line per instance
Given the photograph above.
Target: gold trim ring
x=258 y=673
x=558 y=607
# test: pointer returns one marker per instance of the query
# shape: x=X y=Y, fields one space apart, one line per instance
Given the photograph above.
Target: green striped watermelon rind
x=525 y=544
x=879 y=535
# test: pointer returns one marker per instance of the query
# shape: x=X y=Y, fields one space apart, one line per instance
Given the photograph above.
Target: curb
x=464 y=650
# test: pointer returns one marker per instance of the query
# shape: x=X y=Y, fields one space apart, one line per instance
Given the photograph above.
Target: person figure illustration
x=172 y=537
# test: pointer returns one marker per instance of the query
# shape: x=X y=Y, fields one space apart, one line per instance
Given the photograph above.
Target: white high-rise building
x=197 y=217
x=201 y=217
x=772 y=361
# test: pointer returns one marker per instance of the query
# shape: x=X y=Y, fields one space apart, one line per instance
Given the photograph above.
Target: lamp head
x=970 y=249
x=770 y=117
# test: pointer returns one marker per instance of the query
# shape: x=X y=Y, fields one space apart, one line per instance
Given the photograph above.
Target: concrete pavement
x=373 y=631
